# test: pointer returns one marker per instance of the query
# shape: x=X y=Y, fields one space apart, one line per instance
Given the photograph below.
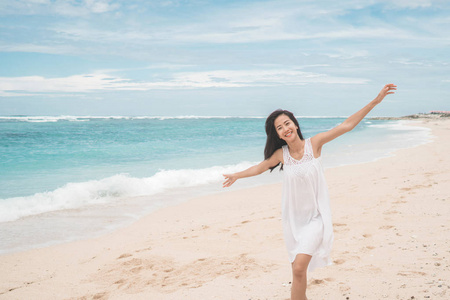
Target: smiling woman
x=274 y=141
x=306 y=214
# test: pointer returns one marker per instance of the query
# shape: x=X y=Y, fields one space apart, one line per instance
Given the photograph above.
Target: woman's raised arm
x=263 y=166
x=324 y=137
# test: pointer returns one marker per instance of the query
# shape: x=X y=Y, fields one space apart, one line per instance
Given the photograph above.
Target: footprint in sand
x=399 y=201
x=100 y=296
x=411 y=273
x=341 y=227
x=133 y=262
x=317 y=281
x=145 y=249
x=338 y=261
x=88 y=260
x=136 y=270
x=390 y=212
x=385 y=227
x=343 y=288
x=167 y=276
x=120 y=281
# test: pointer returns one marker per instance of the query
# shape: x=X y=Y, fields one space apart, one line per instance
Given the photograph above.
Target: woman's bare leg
x=299 y=268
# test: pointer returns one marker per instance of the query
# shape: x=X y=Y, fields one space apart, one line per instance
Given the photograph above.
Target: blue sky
x=242 y=58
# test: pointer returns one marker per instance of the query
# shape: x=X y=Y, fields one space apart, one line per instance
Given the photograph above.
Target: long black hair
x=274 y=142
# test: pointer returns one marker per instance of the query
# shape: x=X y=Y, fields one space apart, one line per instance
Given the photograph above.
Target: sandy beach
x=392 y=241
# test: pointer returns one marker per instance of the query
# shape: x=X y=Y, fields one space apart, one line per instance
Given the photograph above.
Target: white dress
x=306 y=214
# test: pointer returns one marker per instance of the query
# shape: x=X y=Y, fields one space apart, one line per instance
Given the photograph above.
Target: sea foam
x=80 y=194
x=44 y=119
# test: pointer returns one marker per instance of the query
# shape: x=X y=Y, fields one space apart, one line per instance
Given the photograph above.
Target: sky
x=222 y=58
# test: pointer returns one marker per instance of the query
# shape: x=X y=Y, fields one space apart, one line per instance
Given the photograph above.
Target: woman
x=306 y=216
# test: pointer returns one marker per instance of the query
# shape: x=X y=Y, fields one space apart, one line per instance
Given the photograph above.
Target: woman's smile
x=288 y=134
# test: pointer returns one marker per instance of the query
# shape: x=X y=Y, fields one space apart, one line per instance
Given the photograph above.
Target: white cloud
x=60 y=7
x=84 y=8
x=36 y=1
x=13 y=86
x=267 y=22
x=161 y=66
x=410 y=3
x=245 y=78
x=266 y=31
x=409 y=62
x=25 y=47
x=9 y=94
x=347 y=53
x=100 y=6
x=75 y=83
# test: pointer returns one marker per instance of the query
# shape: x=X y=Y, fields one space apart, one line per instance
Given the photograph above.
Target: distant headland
x=435 y=114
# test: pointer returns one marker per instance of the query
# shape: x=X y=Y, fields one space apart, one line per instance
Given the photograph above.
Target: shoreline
x=51 y=228
x=202 y=247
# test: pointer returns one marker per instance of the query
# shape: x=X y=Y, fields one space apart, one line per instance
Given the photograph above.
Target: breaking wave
x=79 y=194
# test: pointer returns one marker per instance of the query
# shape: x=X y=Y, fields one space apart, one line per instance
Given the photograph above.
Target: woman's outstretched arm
x=322 y=138
x=263 y=166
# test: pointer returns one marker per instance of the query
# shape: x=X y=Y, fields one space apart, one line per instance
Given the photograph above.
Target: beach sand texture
x=392 y=241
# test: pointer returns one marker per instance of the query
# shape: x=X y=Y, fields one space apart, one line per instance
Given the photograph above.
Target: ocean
x=71 y=177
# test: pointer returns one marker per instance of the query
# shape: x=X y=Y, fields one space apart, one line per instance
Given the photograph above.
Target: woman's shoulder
x=282 y=150
x=279 y=152
x=314 y=139
x=315 y=145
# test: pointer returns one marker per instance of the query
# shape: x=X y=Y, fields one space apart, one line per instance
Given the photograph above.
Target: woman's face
x=285 y=128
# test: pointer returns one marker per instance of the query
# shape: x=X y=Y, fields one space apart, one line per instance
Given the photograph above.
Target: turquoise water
x=40 y=155
x=56 y=169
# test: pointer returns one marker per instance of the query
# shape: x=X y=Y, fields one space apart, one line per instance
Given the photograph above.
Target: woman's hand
x=324 y=137
x=263 y=166
x=386 y=90
x=229 y=179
